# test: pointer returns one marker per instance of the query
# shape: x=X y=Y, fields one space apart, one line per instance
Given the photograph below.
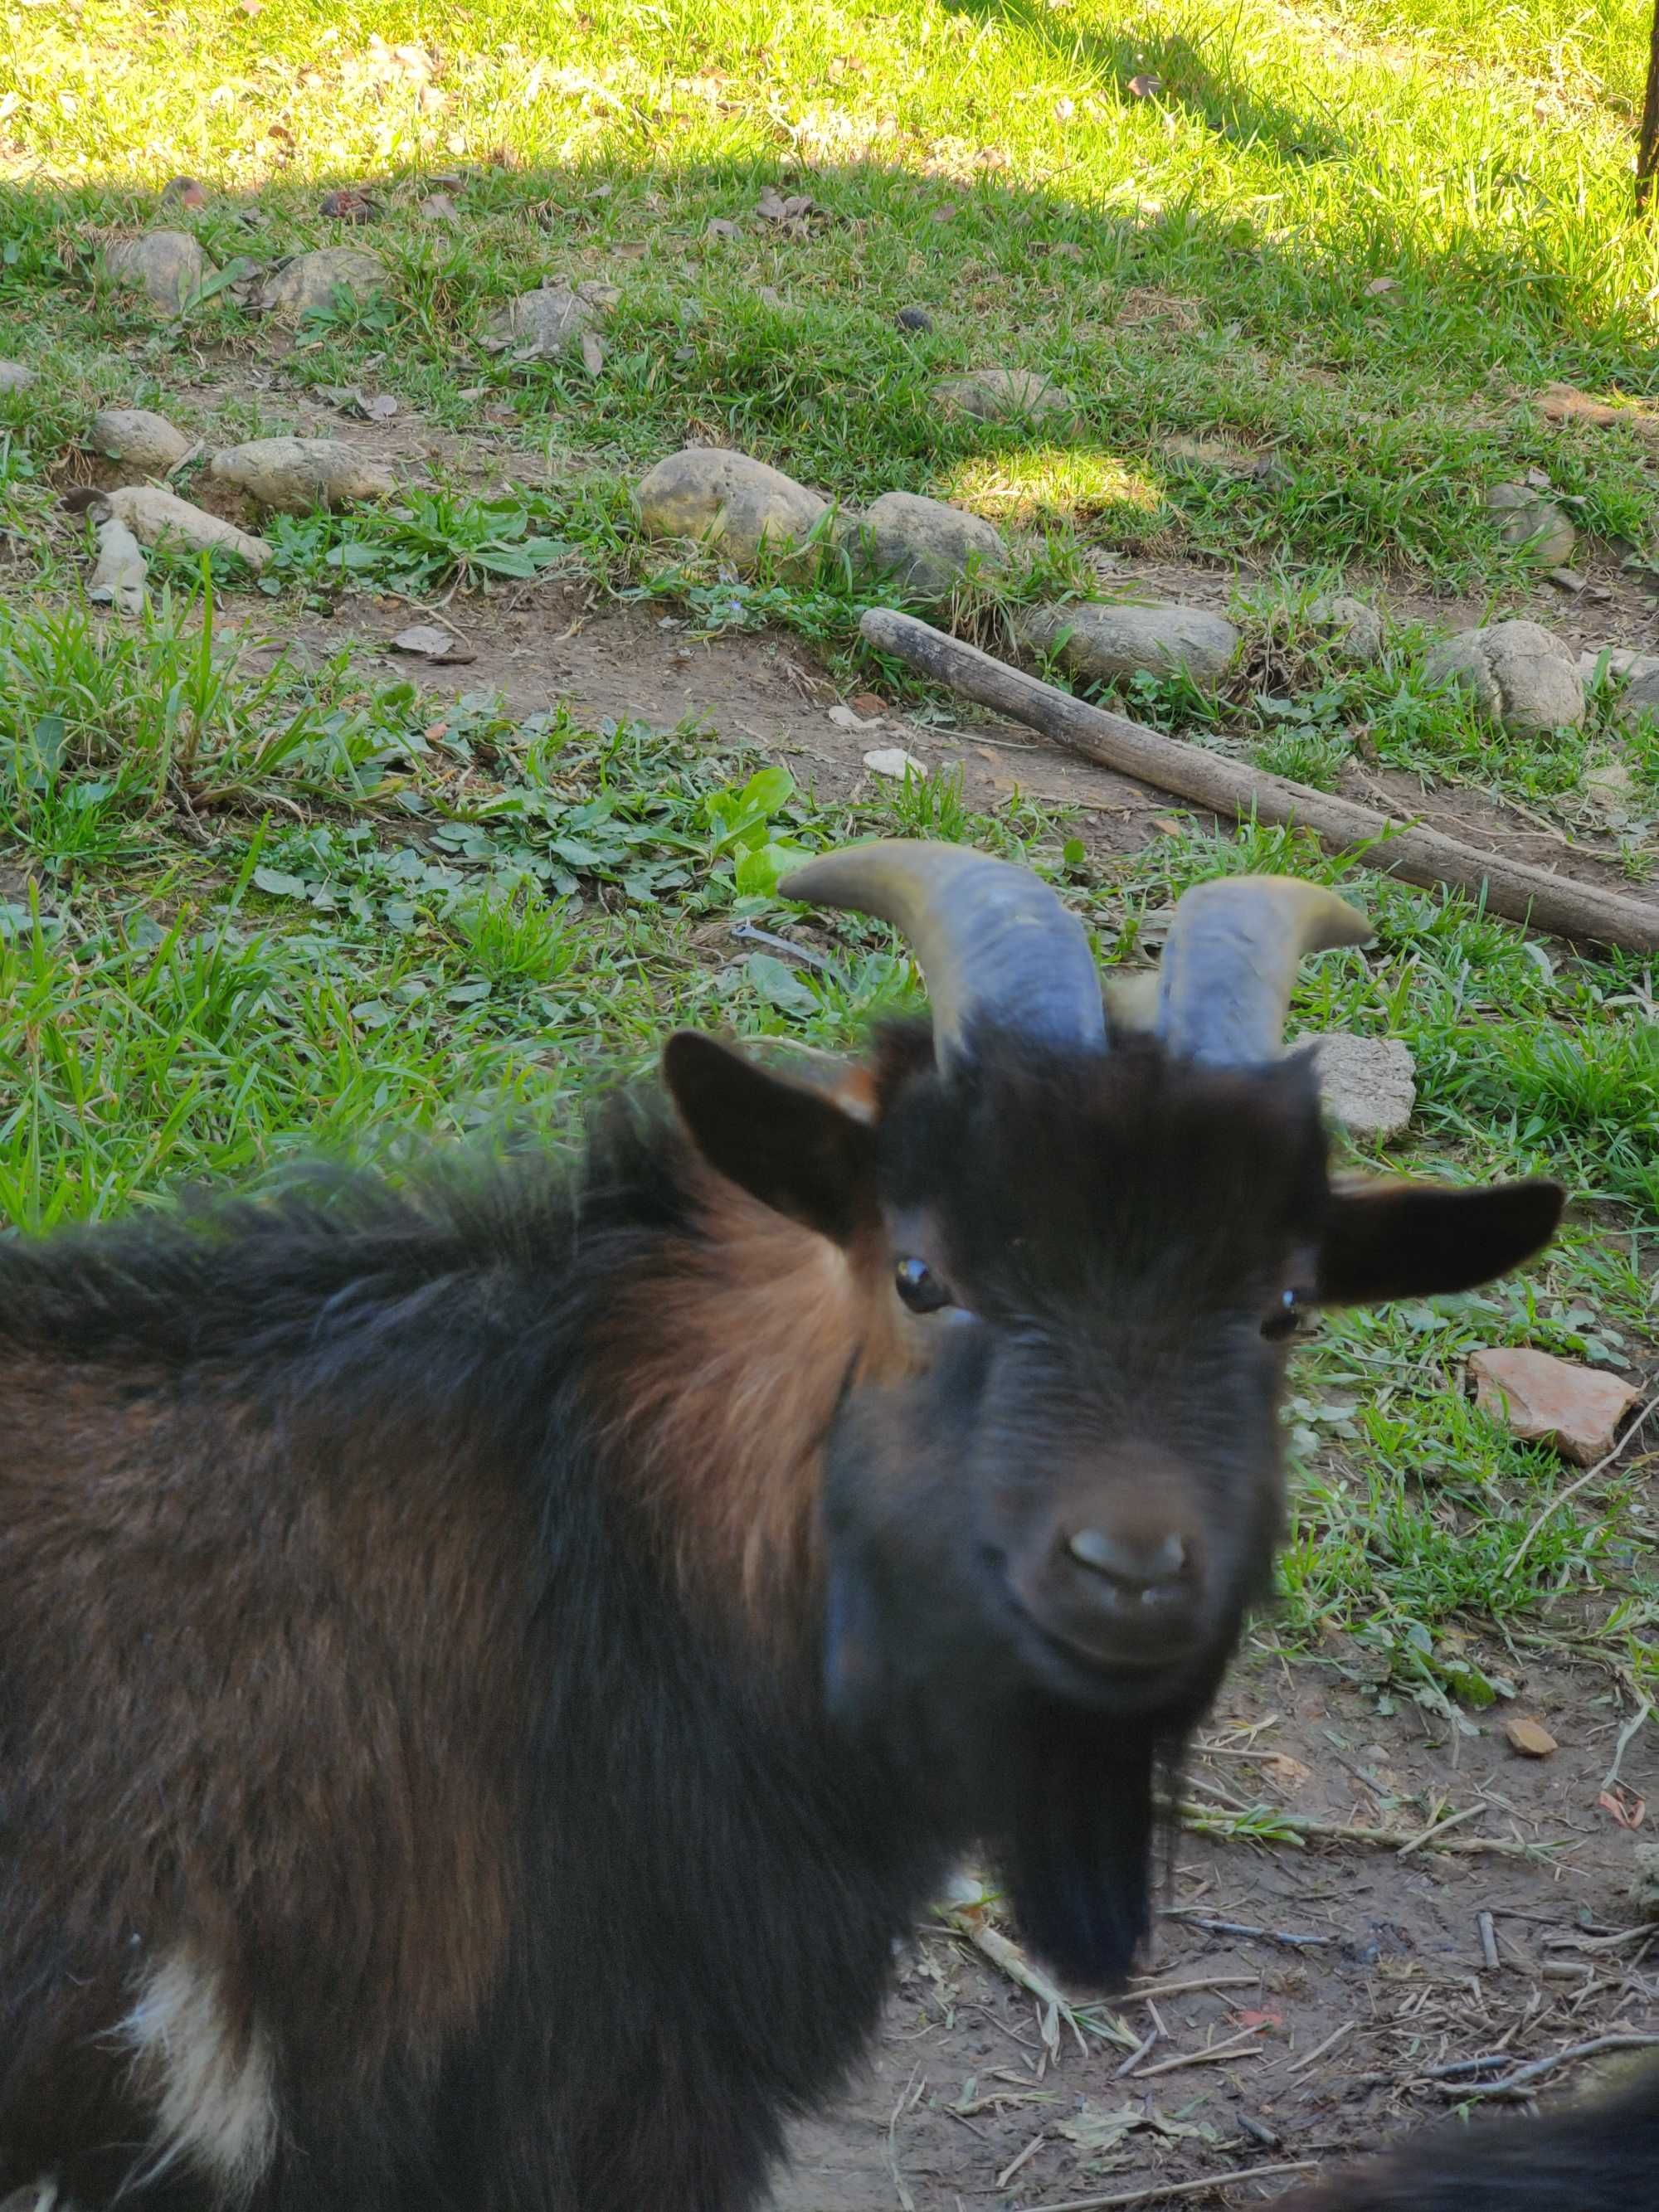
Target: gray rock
x=295 y=476
x=138 y=438
x=914 y=318
x=1107 y=643
x=729 y=500
x=310 y=280
x=1640 y=672
x=1356 y=627
x=14 y=377
x=1368 y=1084
x=167 y=266
x=995 y=394
x=1535 y=524
x=1611 y=793
x=925 y=546
x=540 y=325
x=1516 y=671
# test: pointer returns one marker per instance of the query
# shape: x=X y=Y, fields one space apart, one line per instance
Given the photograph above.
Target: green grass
x=247 y=912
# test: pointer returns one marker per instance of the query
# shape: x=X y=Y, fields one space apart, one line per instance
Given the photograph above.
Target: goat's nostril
x=1149 y=1568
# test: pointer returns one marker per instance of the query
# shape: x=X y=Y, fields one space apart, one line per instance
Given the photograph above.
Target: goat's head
x=1050 y=1502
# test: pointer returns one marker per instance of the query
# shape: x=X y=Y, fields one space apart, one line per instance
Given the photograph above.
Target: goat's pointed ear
x=791 y=1147
x=1409 y=1240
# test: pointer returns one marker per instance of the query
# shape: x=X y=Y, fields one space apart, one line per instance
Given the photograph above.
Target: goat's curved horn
x=1230 y=962
x=992 y=941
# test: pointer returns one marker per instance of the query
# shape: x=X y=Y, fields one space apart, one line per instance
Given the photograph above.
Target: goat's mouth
x=1137 y=1677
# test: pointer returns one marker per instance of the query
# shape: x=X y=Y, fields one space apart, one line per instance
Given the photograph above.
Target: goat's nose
x=1152 y=1569
x=1128 y=1596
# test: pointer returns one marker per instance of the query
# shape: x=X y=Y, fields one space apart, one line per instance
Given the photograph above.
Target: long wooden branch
x=1557 y=903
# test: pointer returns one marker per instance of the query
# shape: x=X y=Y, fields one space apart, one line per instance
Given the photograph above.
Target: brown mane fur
x=731 y=1359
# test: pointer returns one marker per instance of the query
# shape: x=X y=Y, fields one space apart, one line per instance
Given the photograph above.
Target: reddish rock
x=1530 y=1738
x=1554 y=1401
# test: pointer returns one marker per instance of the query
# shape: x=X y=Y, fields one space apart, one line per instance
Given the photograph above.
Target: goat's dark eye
x=919 y=1287
x=1284 y=1318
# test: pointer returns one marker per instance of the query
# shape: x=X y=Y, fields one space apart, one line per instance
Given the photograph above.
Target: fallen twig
x=1487 y=1930
x=1020 y=2159
x=1242 y=2045
x=1390 y=1839
x=1300 y=2065
x=1438 y=1827
x=1212 y=1927
x=1518 y=2084
x=1202 y=2186
x=1508 y=887
x=1204 y=1982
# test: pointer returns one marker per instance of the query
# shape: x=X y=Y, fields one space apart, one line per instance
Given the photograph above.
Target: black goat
x=1599 y=2156
x=486 y=1673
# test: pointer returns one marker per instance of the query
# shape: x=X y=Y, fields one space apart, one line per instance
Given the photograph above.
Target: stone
x=1355 y=628
x=1639 y=672
x=1368 y=1084
x=728 y=499
x=1514 y=670
x=118 y=577
x=167 y=266
x=138 y=438
x=914 y=318
x=1533 y=523
x=893 y=760
x=297 y=476
x=926 y=548
x=311 y=280
x=1610 y=792
x=14 y=377
x=1530 y=1738
x=154 y=514
x=1555 y=1401
x=1644 y=1882
x=1108 y=642
x=428 y=642
x=993 y=394
x=540 y=325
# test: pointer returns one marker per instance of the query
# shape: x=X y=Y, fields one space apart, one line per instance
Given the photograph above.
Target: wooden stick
x=1403 y=848
x=1206 y=2184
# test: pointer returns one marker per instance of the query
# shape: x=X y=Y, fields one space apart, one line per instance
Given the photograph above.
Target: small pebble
x=914 y=318
x=1530 y=1738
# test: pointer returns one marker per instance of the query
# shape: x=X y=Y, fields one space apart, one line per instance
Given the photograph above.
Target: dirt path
x=1392 y=1978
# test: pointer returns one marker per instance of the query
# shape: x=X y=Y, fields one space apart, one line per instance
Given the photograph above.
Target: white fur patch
x=217 y=2098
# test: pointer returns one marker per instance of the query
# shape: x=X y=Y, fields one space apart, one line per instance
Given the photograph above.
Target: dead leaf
x=347 y=206
x=1283 y=1768
x=1379 y=285
x=791 y=213
x=720 y=227
x=1145 y=88
x=1095 y=2133
x=1624 y=1806
x=592 y=353
x=438 y=207
x=186 y=193
x=430 y=643
x=1530 y=1738
x=1259 y=2019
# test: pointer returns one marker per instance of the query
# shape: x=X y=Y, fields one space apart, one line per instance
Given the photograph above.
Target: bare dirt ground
x=1370 y=1974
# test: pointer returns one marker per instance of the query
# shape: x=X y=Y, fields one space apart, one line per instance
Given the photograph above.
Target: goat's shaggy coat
x=418 y=1783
